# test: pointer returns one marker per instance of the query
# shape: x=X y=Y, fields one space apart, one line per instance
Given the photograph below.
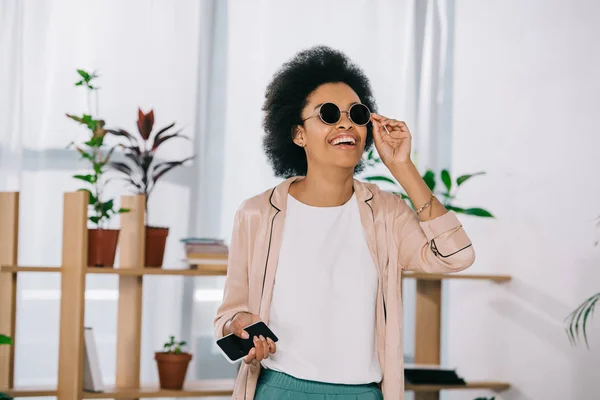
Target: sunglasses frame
x=318 y=112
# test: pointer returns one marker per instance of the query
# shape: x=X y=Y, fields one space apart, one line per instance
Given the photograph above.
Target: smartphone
x=235 y=348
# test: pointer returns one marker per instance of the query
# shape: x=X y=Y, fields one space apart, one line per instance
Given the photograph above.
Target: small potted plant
x=102 y=242
x=142 y=172
x=5 y=340
x=172 y=364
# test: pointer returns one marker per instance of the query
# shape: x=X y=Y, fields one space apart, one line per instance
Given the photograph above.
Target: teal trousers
x=275 y=385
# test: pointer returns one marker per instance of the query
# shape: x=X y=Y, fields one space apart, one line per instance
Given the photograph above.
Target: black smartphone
x=235 y=348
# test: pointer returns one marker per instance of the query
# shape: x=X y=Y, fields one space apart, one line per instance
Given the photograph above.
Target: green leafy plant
x=485 y=398
x=173 y=346
x=140 y=169
x=446 y=195
x=5 y=339
x=578 y=319
x=97 y=154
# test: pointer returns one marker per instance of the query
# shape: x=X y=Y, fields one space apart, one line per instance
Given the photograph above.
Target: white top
x=323 y=307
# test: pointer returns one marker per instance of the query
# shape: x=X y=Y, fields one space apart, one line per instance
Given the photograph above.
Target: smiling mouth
x=343 y=141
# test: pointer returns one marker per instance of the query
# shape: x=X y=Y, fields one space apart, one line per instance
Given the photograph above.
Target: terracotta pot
x=156 y=239
x=102 y=246
x=172 y=369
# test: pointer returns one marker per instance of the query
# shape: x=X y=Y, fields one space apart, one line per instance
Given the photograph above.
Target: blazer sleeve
x=235 y=294
x=439 y=245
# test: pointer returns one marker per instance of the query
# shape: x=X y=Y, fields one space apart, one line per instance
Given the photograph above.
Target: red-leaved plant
x=141 y=172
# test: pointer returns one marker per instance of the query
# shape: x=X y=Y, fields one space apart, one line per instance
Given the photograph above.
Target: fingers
x=237 y=329
x=261 y=350
x=272 y=345
x=251 y=356
x=389 y=122
x=377 y=132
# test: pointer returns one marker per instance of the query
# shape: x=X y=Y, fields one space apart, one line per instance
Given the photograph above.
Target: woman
x=319 y=257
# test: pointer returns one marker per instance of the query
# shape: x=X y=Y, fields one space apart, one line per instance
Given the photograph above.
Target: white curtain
x=204 y=64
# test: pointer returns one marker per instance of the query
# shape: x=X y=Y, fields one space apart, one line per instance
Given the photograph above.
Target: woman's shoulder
x=257 y=204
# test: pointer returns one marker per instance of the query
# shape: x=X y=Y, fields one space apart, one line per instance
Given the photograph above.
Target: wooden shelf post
x=132 y=240
x=9 y=237
x=428 y=328
x=74 y=264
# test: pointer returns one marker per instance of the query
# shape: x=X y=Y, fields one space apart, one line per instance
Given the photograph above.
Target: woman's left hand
x=393 y=148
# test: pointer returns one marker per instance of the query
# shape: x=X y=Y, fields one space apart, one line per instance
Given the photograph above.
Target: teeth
x=343 y=140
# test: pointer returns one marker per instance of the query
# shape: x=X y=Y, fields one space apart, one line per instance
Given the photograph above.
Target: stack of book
x=205 y=251
x=431 y=375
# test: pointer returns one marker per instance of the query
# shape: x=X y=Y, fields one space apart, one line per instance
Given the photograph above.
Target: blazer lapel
x=278 y=203
x=367 y=217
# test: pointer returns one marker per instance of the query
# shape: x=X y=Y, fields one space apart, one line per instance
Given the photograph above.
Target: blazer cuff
x=442 y=224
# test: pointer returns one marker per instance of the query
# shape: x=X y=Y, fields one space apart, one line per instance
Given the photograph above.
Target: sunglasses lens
x=359 y=114
x=330 y=113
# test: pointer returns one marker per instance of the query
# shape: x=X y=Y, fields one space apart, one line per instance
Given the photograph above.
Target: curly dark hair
x=287 y=95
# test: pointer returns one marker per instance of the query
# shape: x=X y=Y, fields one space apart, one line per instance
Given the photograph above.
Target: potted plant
x=102 y=242
x=5 y=340
x=142 y=171
x=446 y=196
x=172 y=364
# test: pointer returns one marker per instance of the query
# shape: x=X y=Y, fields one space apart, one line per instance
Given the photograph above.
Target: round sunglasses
x=331 y=114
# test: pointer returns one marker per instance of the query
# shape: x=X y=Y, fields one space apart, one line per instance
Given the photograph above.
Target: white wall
x=526 y=111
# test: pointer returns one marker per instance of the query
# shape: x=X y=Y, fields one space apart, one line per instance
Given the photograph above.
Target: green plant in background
x=485 y=398
x=446 y=196
x=97 y=154
x=141 y=171
x=172 y=346
x=5 y=340
x=578 y=319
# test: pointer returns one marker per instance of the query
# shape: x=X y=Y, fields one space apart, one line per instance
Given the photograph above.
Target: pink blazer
x=397 y=240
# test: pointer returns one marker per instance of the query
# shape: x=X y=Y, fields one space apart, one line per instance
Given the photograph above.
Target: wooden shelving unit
x=428 y=326
x=73 y=270
x=131 y=271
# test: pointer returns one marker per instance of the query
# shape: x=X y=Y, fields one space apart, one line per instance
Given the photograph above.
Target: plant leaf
x=145 y=123
x=588 y=312
x=130 y=180
x=478 y=212
x=87 y=178
x=164 y=167
x=84 y=74
x=446 y=179
x=380 y=179
x=107 y=205
x=94 y=219
x=5 y=339
x=123 y=210
x=160 y=133
x=462 y=179
x=455 y=209
x=158 y=142
x=92 y=198
x=124 y=133
x=120 y=166
x=429 y=178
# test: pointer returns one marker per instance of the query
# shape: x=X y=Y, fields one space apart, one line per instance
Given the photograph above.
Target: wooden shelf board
x=203 y=270
x=491 y=385
x=31 y=392
x=215 y=388
x=437 y=277
x=22 y=268
x=223 y=387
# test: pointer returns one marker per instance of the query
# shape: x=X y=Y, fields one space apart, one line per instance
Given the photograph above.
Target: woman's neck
x=319 y=189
